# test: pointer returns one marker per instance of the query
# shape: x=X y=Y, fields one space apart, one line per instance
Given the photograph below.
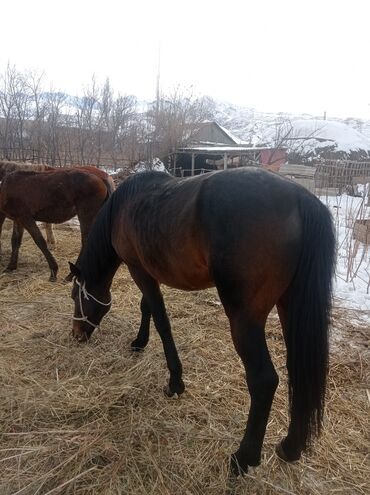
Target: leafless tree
x=174 y=118
x=99 y=127
x=54 y=123
x=285 y=136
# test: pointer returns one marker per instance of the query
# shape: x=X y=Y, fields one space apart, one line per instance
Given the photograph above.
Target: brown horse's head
x=90 y=307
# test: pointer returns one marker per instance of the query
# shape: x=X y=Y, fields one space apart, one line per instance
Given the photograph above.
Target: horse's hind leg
x=50 y=237
x=248 y=334
x=143 y=335
x=154 y=300
x=30 y=225
x=2 y=220
x=16 y=242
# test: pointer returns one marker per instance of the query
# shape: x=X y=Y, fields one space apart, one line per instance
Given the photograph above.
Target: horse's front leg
x=50 y=237
x=16 y=242
x=142 y=338
x=154 y=300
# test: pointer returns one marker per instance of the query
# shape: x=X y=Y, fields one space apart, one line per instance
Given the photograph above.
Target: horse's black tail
x=308 y=317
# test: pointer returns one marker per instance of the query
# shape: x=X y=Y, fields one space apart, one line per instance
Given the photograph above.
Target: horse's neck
x=104 y=279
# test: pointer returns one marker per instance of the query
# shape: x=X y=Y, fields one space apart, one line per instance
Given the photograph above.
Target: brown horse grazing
x=261 y=240
x=7 y=167
x=54 y=196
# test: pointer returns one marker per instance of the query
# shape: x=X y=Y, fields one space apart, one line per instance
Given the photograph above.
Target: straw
x=92 y=418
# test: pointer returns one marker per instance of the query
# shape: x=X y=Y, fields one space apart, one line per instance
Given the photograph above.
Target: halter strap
x=87 y=295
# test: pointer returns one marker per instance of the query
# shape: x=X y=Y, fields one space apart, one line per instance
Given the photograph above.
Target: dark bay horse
x=53 y=196
x=261 y=240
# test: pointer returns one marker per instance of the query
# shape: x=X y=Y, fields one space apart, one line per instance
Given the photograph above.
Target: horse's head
x=89 y=308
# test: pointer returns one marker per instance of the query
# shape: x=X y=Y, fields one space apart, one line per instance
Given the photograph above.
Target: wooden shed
x=213 y=147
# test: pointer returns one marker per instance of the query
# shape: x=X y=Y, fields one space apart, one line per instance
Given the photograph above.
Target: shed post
x=225 y=161
x=192 y=163
x=174 y=164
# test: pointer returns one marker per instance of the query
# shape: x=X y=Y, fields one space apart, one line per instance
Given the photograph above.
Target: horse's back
x=237 y=225
x=51 y=196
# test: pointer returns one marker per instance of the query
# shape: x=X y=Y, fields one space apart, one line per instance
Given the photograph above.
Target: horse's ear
x=76 y=272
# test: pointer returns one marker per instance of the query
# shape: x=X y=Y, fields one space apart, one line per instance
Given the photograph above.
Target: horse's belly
x=189 y=278
x=55 y=215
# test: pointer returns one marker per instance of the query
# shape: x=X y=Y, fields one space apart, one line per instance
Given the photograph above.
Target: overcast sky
x=274 y=55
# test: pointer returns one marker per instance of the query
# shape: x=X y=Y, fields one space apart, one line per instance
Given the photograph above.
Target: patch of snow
x=156 y=165
x=351 y=287
x=322 y=133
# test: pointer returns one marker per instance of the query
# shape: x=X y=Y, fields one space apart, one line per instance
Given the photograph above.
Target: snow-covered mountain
x=309 y=132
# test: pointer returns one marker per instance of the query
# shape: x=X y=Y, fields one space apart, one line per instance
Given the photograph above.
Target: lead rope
x=82 y=290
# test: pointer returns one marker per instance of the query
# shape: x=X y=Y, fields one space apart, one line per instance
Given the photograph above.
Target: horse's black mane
x=142 y=180
x=99 y=254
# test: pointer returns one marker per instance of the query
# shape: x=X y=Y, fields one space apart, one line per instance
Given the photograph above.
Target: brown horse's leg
x=32 y=228
x=50 y=238
x=248 y=334
x=153 y=297
x=143 y=336
x=262 y=381
x=16 y=242
x=2 y=219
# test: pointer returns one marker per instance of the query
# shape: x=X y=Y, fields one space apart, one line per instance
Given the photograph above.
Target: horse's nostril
x=79 y=335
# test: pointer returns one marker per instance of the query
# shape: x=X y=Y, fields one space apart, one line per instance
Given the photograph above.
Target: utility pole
x=157 y=102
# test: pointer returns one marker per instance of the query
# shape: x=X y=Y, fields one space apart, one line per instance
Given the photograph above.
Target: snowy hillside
x=317 y=134
x=261 y=127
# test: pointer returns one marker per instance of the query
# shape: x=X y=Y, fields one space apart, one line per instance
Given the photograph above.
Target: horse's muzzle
x=79 y=334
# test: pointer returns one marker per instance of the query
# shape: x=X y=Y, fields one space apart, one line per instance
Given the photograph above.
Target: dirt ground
x=92 y=418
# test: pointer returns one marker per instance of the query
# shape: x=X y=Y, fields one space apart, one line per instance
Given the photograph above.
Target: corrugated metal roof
x=219 y=149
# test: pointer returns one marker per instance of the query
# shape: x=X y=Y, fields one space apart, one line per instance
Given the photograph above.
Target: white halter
x=82 y=290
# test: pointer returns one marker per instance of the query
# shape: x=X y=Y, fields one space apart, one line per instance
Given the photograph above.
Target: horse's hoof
x=136 y=346
x=10 y=269
x=168 y=393
x=235 y=468
x=69 y=278
x=284 y=456
x=81 y=337
x=137 y=349
x=52 y=278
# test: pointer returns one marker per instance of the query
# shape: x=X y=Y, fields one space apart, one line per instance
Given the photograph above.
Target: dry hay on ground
x=92 y=419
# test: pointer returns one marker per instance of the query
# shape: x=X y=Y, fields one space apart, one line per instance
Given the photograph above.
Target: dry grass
x=92 y=419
